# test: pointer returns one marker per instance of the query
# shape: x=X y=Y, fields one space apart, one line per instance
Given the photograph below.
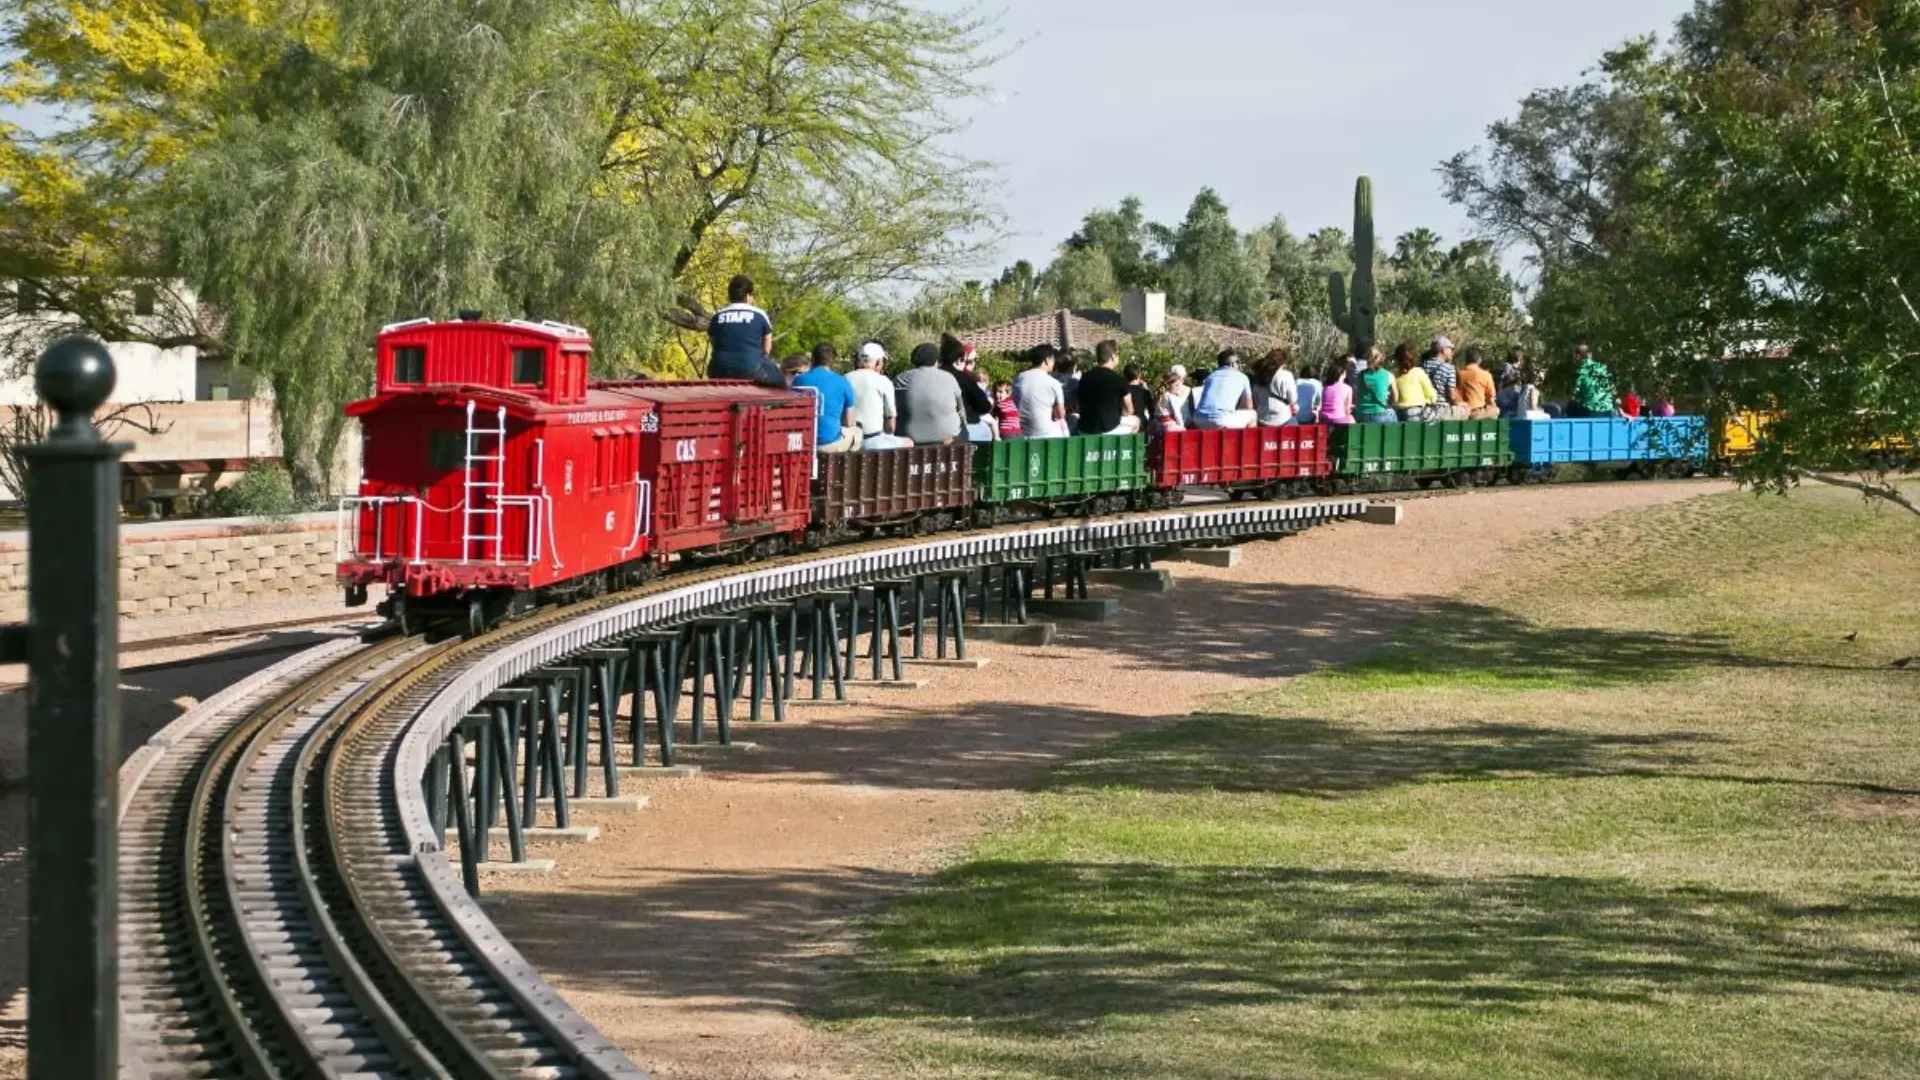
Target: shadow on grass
x=1481 y=648
x=1305 y=756
x=1043 y=948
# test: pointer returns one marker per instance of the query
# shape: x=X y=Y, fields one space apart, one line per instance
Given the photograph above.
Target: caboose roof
x=552 y=331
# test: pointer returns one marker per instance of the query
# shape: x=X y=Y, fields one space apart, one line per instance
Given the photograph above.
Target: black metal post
x=73 y=722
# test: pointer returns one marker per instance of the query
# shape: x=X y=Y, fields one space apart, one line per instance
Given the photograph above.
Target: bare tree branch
x=1882 y=492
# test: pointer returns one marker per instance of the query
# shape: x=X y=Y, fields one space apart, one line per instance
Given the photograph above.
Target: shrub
x=266 y=492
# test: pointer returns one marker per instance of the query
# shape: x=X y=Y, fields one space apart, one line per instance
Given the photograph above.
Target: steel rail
x=260 y=1030
x=309 y=790
x=297 y=983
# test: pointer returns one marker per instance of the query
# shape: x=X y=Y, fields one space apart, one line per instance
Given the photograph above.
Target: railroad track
x=287 y=909
x=270 y=926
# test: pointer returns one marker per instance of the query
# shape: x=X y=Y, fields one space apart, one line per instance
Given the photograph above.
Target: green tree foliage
x=453 y=163
x=1269 y=279
x=1127 y=239
x=810 y=129
x=1751 y=189
x=1209 y=273
x=120 y=90
x=1081 y=277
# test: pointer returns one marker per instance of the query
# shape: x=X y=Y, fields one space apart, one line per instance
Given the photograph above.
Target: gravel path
x=693 y=932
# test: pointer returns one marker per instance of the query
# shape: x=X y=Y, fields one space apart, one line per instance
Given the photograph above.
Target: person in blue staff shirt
x=836 y=430
x=741 y=337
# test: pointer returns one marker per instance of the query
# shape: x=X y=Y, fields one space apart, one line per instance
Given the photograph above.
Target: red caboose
x=496 y=476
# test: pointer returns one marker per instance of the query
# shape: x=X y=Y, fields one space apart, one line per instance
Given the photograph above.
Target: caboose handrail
x=533 y=506
x=345 y=526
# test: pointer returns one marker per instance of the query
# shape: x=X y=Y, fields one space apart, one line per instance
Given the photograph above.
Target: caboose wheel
x=405 y=619
x=476 y=616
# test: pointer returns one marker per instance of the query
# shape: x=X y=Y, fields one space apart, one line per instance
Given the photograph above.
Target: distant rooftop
x=1083 y=328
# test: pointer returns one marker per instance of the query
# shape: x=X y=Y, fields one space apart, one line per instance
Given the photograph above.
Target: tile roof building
x=1083 y=328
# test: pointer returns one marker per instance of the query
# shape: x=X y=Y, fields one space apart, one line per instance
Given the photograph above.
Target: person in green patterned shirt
x=1593 y=395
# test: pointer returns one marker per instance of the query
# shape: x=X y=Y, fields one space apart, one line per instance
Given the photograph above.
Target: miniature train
x=498 y=477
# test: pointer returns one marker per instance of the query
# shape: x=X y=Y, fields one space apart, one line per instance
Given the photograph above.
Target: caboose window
x=530 y=367
x=409 y=365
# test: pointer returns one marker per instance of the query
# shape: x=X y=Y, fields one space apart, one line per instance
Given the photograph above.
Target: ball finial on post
x=75 y=376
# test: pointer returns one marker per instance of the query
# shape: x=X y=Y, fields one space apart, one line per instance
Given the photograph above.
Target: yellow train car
x=1736 y=437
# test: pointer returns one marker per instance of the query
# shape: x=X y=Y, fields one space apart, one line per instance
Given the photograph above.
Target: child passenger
x=1005 y=408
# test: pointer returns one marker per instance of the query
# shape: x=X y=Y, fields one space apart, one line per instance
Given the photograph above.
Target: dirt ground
x=692 y=933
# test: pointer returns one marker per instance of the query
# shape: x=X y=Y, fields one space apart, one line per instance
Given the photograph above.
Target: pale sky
x=1277 y=105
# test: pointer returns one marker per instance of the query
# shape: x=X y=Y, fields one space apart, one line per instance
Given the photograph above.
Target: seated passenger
x=1336 y=401
x=1173 y=410
x=1593 y=395
x=1413 y=393
x=1475 y=388
x=1006 y=409
x=931 y=411
x=1373 y=397
x=740 y=339
x=1508 y=400
x=836 y=429
x=1275 y=392
x=1527 y=404
x=1105 y=406
x=957 y=358
x=1308 y=391
x=1438 y=364
x=875 y=404
x=1225 y=400
x=1139 y=395
x=1039 y=397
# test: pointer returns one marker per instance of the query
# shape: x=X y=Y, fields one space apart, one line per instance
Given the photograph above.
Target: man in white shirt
x=876 y=408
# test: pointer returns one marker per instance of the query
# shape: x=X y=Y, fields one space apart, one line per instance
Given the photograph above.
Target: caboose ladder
x=482 y=516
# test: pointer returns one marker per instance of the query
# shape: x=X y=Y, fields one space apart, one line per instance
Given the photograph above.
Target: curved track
x=287 y=910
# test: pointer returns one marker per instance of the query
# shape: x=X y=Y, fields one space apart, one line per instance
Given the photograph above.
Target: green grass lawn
x=1641 y=810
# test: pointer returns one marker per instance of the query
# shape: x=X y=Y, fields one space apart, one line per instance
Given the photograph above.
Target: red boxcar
x=731 y=463
x=495 y=474
x=1259 y=459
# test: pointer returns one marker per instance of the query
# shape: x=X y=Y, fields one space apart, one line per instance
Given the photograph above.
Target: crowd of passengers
x=946 y=397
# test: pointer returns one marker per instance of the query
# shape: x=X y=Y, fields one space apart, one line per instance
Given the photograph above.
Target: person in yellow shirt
x=1413 y=392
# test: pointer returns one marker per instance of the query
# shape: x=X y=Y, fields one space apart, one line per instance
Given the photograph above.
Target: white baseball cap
x=1177 y=371
x=872 y=350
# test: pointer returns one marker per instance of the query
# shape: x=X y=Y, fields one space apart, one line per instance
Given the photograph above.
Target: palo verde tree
x=1735 y=219
x=118 y=91
x=452 y=161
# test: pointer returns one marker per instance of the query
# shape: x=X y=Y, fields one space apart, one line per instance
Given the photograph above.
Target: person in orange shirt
x=1475 y=388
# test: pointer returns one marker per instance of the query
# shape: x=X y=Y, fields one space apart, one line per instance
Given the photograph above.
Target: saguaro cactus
x=1357 y=318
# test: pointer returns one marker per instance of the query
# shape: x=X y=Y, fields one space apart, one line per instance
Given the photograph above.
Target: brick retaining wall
x=173 y=568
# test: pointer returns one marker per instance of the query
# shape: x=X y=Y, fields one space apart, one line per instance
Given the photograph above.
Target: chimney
x=1063 y=320
x=1143 y=313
